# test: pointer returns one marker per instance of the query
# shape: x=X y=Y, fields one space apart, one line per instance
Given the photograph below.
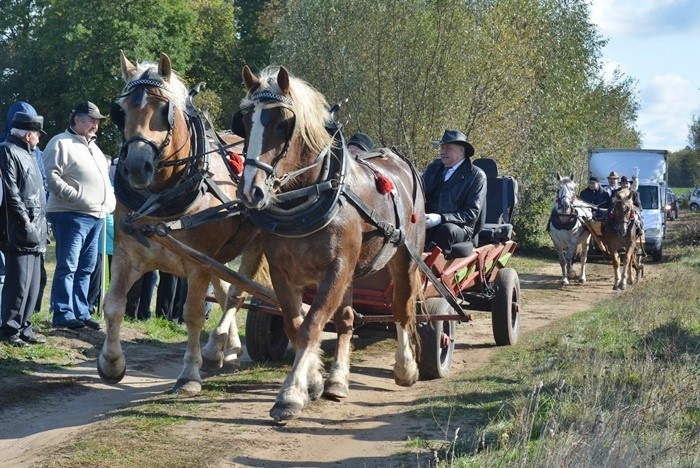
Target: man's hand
x=432 y=220
x=635 y=172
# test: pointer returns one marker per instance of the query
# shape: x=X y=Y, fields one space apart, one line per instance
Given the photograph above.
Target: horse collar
x=320 y=204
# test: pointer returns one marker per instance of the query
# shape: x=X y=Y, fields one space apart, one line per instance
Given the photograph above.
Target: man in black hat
x=77 y=173
x=360 y=143
x=455 y=192
x=595 y=195
x=23 y=229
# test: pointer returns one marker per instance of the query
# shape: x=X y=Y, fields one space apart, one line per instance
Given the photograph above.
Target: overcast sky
x=656 y=43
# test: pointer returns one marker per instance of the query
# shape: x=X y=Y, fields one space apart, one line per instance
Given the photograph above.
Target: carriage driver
x=595 y=195
x=455 y=192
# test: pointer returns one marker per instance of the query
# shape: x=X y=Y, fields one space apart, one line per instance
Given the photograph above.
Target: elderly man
x=77 y=173
x=23 y=229
x=455 y=193
x=613 y=184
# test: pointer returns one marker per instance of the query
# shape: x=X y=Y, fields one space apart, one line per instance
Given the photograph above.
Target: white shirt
x=450 y=170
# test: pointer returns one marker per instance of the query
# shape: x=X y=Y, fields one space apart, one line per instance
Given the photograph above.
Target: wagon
x=470 y=279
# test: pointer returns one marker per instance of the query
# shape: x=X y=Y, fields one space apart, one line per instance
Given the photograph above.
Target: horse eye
x=282 y=127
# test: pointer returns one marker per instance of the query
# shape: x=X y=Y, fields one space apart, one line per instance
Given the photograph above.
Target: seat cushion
x=493 y=233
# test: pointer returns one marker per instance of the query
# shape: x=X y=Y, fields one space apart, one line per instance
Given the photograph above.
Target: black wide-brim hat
x=457 y=138
x=24 y=121
x=362 y=140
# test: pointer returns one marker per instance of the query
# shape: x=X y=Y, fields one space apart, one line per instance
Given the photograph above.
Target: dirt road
x=372 y=424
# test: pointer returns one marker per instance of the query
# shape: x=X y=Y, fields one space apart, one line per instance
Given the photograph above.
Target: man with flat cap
x=23 y=229
x=81 y=196
x=360 y=143
x=455 y=192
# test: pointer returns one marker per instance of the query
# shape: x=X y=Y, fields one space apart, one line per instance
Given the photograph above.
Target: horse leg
x=562 y=263
x=304 y=381
x=111 y=363
x=338 y=380
x=616 y=269
x=583 y=244
x=189 y=382
x=570 y=252
x=407 y=284
x=223 y=343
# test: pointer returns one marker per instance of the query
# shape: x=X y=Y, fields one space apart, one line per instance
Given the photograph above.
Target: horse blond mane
x=176 y=92
x=309 y=105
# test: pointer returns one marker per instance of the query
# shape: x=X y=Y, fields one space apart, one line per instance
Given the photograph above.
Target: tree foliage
x=522 y=78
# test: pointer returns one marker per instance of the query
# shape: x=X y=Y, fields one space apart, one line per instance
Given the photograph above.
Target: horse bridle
x=561 y=198
x=266 y=101
x=118 y=117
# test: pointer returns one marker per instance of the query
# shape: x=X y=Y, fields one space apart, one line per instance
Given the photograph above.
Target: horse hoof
x=615 y=288
x=406 y=382
x=113 y=377
x=186 y=388
x=582 y=281
x=335 y=391
x=564 y=282
x=285 y=411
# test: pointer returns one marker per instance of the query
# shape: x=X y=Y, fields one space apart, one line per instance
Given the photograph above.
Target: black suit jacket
x=461 y=199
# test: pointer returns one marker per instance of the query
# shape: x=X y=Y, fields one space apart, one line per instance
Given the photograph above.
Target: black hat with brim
x=593 y=179
x=456 y=138
x=362 y=140
x=89 y=109
x=24 y=121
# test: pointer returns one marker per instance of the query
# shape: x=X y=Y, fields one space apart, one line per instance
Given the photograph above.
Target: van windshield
x=649 y=195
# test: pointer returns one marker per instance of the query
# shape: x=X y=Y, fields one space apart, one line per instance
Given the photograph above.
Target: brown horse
x=324 y=221
x=620 y=233
x=166 y=172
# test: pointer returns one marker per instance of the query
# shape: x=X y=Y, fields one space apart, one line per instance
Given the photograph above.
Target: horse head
x=622 y=212
x=566 y=193
x=149 y=112
x=284 y=122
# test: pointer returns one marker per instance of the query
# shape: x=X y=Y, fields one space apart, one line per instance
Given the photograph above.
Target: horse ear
x=249 y=79
x=571 y=177
x=558 y=177
x=283 y=80
x=128 y=68
x=165 y=67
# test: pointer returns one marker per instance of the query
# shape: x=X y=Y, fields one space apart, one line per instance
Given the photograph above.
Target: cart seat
x=501 y=197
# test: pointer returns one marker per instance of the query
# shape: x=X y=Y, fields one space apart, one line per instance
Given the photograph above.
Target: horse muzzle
x=138 y=165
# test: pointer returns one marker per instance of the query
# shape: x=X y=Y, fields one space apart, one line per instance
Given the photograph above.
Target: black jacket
x=23 y=226
x=599 y=197
x=461 y=199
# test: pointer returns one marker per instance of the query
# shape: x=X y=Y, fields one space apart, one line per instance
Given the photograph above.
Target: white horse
x=567 y=230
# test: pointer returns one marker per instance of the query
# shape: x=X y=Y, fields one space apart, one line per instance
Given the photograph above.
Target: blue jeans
x=77 y=237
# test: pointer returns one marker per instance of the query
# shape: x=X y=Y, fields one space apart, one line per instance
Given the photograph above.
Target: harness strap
x=395 y=236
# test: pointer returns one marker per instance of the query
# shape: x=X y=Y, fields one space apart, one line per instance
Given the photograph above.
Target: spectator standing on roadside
x=23 y=229
x=21 y=106
x=81 y=196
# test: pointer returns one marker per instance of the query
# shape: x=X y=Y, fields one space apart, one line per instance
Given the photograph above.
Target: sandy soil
x=370 y=428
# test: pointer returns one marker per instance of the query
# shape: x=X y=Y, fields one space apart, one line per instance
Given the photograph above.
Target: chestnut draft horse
x=620 y=233
x=567 y=229
x=167 y=172
x=326 y=218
